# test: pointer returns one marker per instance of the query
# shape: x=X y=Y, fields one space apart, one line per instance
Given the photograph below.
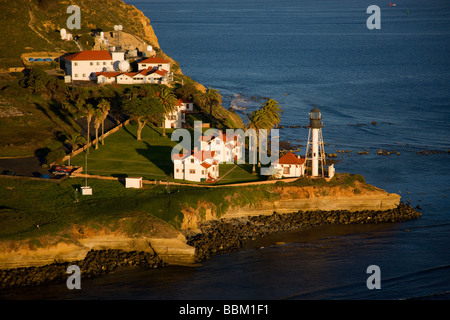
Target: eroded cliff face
x=76 y=241
x=293 y=198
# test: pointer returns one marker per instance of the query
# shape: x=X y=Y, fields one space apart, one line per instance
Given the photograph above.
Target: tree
x=272 y=112
x=169 y=104
x=210 y=98
x=266 y=117
x=104 y=106
x=74 y=139
x=98 y=117
x=187 y=91
x=143 y=110
x=88 y=110
x=257 y=120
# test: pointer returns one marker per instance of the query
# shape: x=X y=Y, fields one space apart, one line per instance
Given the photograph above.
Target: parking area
x=26 y=166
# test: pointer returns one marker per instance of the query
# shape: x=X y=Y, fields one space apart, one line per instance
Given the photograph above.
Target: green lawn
x=122 y=155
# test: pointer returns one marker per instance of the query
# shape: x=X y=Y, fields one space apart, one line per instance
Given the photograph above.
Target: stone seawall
x=227 y=235
x=96 y=262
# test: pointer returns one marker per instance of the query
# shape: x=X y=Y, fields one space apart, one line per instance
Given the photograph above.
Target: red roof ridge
x=154 y=60
x=87 y=55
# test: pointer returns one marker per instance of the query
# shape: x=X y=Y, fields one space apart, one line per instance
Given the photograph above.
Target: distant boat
x=392 y=4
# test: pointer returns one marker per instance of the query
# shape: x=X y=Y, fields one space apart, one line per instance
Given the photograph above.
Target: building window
x=76 y=75
x=178 y=170
x=84 y=75
x=192 y=171
x=203 y=171
x=98 y=63
x=111 y=63
x=104 y=63
x=287 y=170
x=217 y=141
x=192 y=160
x=91 y=63
x=76 y=64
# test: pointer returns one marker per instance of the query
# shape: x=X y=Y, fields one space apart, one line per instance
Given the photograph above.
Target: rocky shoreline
x=228 y=235
x=215 y=237
x=96 y=263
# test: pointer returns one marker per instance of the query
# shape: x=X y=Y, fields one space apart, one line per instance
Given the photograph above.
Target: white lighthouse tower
x=315 y=152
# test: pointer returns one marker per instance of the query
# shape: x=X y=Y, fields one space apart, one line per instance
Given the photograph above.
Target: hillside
x=31 y=26
x=34 y=121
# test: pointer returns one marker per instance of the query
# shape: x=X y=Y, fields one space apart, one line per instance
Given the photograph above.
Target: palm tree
x=272 y=111
x=88 y=111
x=104 y=106
x=266 y=117
x=257 y=120
x=211 y=98
x=74 y=139
x=98 y=119
x=169 y=104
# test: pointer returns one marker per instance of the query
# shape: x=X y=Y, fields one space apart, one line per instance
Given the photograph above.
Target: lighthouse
x=315 y=153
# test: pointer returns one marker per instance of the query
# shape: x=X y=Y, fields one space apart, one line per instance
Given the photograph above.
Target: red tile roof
x=87 y=55
x=203 y=155
x=161 y=72
x=181 y=101
x=108 y=74
x=290 y=158
x=154 y=60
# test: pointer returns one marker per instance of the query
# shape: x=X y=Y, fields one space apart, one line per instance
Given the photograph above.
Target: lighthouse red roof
x=290 y=158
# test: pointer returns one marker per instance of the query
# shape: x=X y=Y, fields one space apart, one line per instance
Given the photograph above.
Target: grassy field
x=55 y=207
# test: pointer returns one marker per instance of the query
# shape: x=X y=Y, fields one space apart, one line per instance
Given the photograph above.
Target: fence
x=106 y=134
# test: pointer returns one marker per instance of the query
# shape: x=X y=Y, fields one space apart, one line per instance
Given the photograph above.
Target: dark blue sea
x=377 y=89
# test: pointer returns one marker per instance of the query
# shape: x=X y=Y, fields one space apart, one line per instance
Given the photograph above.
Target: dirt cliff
x=286 y=199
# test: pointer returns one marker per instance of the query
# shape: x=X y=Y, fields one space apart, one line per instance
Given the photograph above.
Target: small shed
x=86 y=191
x=133 y=182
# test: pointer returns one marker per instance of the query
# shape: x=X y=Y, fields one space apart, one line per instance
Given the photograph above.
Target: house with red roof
x=177 y=118
x=85 y=64
x=287 y=166
x=199 y=166
x=154 y=63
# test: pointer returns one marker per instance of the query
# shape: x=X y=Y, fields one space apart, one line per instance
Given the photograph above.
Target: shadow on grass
x=159 y=156
x=120 y=177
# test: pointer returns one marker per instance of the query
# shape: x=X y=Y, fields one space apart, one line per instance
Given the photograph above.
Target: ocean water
x=306 y=53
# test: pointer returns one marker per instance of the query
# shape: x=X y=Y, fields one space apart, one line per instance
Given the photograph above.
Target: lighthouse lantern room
x=315 y=152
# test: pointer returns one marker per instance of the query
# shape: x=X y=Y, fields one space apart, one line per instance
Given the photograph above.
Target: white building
x=154 y=63
x=226 y=147
x=288 y=166
x=133 y=182
x=199 y=166
x=140 y=77
x=178 y=117
x=84 y=65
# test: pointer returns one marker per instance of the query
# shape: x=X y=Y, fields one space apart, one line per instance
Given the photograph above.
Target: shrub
x=55 y=156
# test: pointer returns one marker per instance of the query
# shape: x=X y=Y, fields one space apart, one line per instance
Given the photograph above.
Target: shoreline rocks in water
x=228 y=235
x=96 y=262
x=216 y=237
